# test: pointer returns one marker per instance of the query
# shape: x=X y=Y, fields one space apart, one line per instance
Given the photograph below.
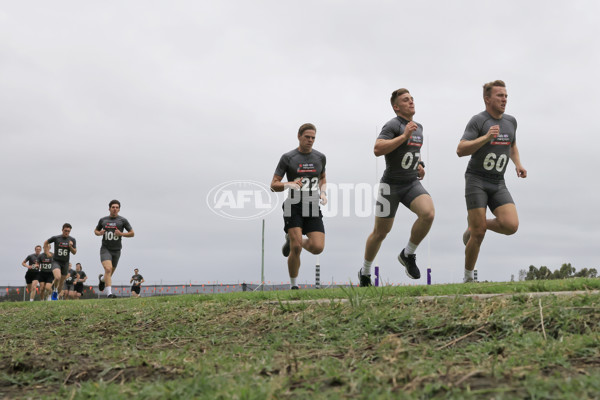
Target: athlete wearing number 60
x=112 y=228
x=305 y=170
x=490 y=139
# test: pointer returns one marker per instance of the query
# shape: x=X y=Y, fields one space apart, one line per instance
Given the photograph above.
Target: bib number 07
x=408 y=159
x=492 y=161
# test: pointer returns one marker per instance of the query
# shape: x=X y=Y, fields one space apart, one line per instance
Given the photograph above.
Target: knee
x=379 y=235
x=512 y=228
x=428 y=216
x=317 y=249
x=295 y=247
x=478 y=234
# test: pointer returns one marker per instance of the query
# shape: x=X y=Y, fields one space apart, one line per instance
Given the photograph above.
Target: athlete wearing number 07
x=305 y=170
x=400 y=142
x=112 y=228
x=490 y=139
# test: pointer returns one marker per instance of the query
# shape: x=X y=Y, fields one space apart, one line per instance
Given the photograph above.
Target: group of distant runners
x=52 y=274
x=490 y=140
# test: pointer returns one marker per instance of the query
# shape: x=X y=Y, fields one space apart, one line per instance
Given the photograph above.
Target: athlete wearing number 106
x=305 y=170
x=400 y=142
x=111 y=228
x=490 y=140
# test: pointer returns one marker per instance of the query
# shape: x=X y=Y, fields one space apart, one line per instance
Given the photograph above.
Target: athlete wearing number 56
x=305 y=170
x=64 y=245
x=400 y=142
x=490 y=139
x=112 y=228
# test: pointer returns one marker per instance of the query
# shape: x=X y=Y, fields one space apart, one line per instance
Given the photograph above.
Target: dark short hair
x=114 y=202
x=396 y=94
x=135 y=269
x=67 y=225
x=487 y=88
x=38 y=246
x=78 y=264
x=306 y=127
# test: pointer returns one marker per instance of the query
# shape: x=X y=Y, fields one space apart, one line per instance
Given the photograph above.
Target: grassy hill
x=321 y=344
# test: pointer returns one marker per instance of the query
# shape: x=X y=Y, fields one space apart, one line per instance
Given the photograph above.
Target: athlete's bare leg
x=506 y=221
x=314 y=243
x=295 y=236
x=423 y=207
x=108 y=272
x=383 y=226
x=477 y=228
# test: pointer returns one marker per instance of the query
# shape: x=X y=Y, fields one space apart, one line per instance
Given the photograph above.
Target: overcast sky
x=154 y=103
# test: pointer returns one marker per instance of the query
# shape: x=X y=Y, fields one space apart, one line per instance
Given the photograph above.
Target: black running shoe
x=101 y=284
x=364 y=280
x=410 y=263
x=295 y=288
x=112 y=296
x=285 y=250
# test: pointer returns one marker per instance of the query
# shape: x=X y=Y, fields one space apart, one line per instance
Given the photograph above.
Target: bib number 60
x=492 y=161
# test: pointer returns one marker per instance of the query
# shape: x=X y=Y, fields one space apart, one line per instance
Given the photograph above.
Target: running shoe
x=468 y=280
x=295 y=288
x=101 y=283
x=285 y=249
x=54 y=295
x=112 y=296
x=410 y=264
x=364 y=280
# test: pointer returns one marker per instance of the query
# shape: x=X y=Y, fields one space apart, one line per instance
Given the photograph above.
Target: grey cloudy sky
x=155 y=102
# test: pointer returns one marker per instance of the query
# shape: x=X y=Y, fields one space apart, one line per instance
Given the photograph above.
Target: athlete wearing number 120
x=111 y=228
x=490 y=140
x=400 y=142
x=305 y=170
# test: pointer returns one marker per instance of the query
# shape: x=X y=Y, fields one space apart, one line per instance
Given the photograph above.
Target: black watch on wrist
x=422 y=164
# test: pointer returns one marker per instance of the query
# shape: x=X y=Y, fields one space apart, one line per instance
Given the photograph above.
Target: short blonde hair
x=487 y=88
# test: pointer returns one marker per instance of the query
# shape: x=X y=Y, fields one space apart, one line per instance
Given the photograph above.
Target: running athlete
x=64 y=246
x=305 y=170
x=69 y=289
x=490 y=140
x=111 y=228
x=81 y=278
x=136 y=283
x=31 y=262
x=46 y=277
x=400 y=141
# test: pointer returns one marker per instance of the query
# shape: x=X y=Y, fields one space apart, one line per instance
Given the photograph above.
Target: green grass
x=351 y=343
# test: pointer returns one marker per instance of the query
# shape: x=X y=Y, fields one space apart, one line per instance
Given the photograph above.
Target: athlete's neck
x=304 y=151
x=494 y=114
x=406 y=117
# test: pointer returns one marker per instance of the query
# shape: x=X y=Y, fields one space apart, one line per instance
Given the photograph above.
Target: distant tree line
x=564 y=272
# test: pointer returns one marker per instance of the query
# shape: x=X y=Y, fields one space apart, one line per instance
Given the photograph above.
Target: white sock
x=366 y=269
x=293 y=281
x=410 y=248
x=469 y=274
x=30 y=299
x=109 y=290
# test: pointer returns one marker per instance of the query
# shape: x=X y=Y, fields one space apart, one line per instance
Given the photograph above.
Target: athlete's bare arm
x=72 y=249
x=47 y=249
x=516 y=159
x=278 y=186
x=99 y=232
x=129 y=234
x=385 y=146
x=24 y=263
x=468 y=147
x=323 y=188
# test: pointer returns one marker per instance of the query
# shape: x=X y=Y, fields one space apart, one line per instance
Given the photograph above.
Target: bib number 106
x=492 y=161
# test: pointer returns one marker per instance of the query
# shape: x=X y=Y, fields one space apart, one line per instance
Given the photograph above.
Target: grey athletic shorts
x=110 y=255
x=391 y=195
x=63 y=265
x=482 y=193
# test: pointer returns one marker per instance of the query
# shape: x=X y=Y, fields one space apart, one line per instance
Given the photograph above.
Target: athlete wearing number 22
x=490 y=140
x=305 y=170
x=112 y=228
